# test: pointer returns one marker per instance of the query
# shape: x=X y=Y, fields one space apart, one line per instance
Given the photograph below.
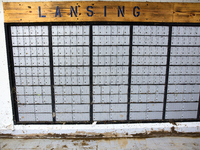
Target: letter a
x=58 y=12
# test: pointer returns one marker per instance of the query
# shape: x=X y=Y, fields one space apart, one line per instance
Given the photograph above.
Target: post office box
x=66 y=30
x=85 y=99
x=123 y=89
x=101 y=61
x=117 y=116
x=79 y=40
x=20 y=41
x=38 y=30
x=28 y=61
x=80 y=108
x=25 y=41
x=32 y=41
x=85 y=90
x=63 y=116
x=125 y=79
x=60 y=30
x=105 y=90
x=81 y=117
x=72 y=30
x=85 y=30
x=21 y=51
x=101 y=116
x=107 y=40
x=69 y=89
x=15 y=51
x=102 y=40
x=66 y=40
x=67 y=99
x=138 y=107
x=95 y=40
x=101 y=107
x=113 y=60
x=137 y=115
x=39 y=41
x=114 y=89
x=119 y=70
x=44 y=30
x=125 y=60
x=143 y=88
x=58 y=90
x=43 y=108
x=74 y=80
x=120 y=40
x=46 y=81
x=29 y=99
x=37 y=90
x=113 y=40
x=85 y=60
x=28 y=90
x=56 y=81
x=100 y=30
x=105 y=99
x=114 y=30
x=86 y=51
x=21 y=99
x=63 y=108
x=73 y=60
x=19 y=61
x=39 y=60
x=96 y=98
x=118 y=107
x=125 y=40
x=79 y=51
x=62 y=81
x=125 y=50
x=95 y=60
x=134 y=89
x=67 y=61
x=54 y=30
x=22 y=81
x=113 y=70
x=76 y=99
x=19 y=30
x=126 y=30
x=46 y=90
x=122 y=98
x=107 y=79
x=95 y=30
x=155 y=107
x=113 y=79
x=45 y=41
x=38 y=99
x=76 y=90
x=26 y=108
x=13 y=30
x=79 y=60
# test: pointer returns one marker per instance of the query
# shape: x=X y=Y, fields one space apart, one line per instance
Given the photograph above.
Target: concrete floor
x=161 y=143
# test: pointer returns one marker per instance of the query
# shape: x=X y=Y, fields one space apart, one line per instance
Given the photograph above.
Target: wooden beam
x=87 y=11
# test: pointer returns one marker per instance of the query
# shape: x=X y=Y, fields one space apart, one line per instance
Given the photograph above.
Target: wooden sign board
x=88 y=11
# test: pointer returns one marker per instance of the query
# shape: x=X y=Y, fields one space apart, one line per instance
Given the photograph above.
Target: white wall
x=6 y=119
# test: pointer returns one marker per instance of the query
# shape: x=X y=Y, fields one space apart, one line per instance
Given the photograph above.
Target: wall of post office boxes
x=105 y=73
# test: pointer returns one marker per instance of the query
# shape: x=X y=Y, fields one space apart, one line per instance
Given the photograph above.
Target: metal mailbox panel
x=181 y=115
x=27 y=117
x=44 y=117
x=81 y=117
x=64 y=116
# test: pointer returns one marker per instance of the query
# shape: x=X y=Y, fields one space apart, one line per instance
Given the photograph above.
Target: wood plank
x=29 y=11
x=186 y=12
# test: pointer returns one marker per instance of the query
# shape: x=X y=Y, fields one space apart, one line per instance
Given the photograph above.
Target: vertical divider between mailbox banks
x=91 y=75
x=51 y=74
x=198 y=112
x=167 y=71
x=11 y=74
x=129 y=72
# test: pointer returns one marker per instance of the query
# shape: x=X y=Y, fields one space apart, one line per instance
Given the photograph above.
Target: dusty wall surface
x=76 y=131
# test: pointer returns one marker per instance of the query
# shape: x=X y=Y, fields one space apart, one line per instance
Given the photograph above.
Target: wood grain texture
x=21 y=12
x=186 y=12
